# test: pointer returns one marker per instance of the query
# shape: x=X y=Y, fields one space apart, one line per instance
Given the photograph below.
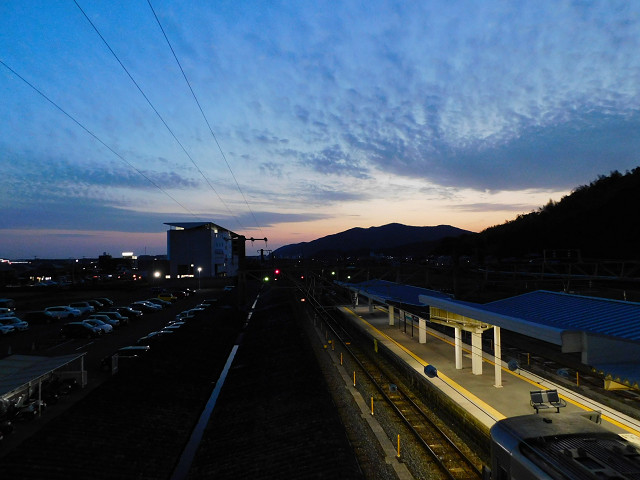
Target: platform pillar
x=422 y=330
x=458 y=338
x=476 y=353
x=392 y=316
x=370 y=305
x=497 y=354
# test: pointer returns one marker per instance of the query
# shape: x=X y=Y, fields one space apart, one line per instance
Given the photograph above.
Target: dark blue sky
x=326 y=115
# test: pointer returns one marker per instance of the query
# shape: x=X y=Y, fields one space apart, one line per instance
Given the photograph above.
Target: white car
x=63 y=311
x=94 y=322
x=15 y=322
x=6 y=329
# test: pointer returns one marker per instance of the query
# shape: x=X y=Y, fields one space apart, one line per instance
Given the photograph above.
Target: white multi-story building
x=203 y=249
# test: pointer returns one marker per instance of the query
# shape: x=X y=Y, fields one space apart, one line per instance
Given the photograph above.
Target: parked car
x=107 y=302
x=167 y=297
x=174 y=325
x=96 y=304
x=79 y=330
x=186 y=315
x=154 y=337
x=15 y=322
x=116 y=316
x=105 y=318
x=84 y=307
x=145 y=307
x=128 y=312
x=133 y=350
x=6 y=329
x=63 y=311
x=38 y=316
x=9 y=303
x=94 y=322
x=158 y=301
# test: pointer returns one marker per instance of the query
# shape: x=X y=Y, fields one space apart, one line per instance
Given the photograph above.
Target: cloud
x=271 y=169
x=494 y=207
x=268 y=219
x=334 y=161
x=325 y=195
x=94 y=214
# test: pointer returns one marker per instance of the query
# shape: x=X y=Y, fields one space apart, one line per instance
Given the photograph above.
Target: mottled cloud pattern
x=316 y=109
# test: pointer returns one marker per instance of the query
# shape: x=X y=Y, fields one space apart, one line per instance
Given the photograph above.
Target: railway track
x=443 y=455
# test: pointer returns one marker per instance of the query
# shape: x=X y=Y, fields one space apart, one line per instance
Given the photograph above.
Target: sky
x=296 y=120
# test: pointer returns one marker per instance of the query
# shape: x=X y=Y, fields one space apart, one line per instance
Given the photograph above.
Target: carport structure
x=23 y=373
x=605 y=332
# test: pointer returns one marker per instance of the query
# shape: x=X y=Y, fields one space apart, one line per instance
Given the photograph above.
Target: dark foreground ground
x=274 y=418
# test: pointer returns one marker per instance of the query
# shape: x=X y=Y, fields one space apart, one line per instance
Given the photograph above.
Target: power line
x=156 y=112
x=204 y=116
x=68 y=115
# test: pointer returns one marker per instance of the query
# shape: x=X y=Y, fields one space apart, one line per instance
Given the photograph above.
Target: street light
x=199 y=270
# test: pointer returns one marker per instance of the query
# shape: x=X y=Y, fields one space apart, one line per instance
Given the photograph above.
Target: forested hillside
x=601 y=220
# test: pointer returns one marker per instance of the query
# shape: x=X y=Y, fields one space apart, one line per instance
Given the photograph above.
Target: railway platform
x=477 y=393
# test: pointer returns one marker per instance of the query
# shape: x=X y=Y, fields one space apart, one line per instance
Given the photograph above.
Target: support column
x=370 y=305
x=422 y=327
x=458 y=337
x=476 y=353
x=392 y=316
x=497 y=353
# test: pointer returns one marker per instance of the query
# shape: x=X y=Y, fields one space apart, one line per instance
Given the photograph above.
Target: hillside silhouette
x=599 y=220
x=385 y=240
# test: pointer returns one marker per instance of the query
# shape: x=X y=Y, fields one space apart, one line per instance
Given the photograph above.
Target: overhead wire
x=157 y=113
x=204 y=116
x=73 y=119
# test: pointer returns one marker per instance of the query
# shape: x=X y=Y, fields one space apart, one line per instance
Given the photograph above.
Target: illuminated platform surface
x=477 y=393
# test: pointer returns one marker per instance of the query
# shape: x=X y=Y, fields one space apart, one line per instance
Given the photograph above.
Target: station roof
x=541 y=314
x=602 y=316
x=384 y=291
x=17 y=371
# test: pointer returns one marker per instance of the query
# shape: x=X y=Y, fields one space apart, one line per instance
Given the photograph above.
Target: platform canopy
x=17 y=371
x=606 y=332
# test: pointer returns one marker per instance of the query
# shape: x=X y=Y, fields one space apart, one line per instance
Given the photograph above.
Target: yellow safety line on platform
x=456 y=386
x=515 y=374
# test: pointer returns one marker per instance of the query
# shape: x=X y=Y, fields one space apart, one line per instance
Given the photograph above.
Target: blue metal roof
x=541 y=314
x=601 y=316
x=385 y=291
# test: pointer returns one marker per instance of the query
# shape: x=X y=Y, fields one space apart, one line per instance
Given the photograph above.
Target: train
x=566 y=446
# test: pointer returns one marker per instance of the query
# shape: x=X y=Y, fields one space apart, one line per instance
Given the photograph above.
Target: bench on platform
x=541 y=399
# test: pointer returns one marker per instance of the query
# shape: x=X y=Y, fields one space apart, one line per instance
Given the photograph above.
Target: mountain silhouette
x=363 y=241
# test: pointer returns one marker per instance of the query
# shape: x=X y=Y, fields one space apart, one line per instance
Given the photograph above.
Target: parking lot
x=44 y=339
